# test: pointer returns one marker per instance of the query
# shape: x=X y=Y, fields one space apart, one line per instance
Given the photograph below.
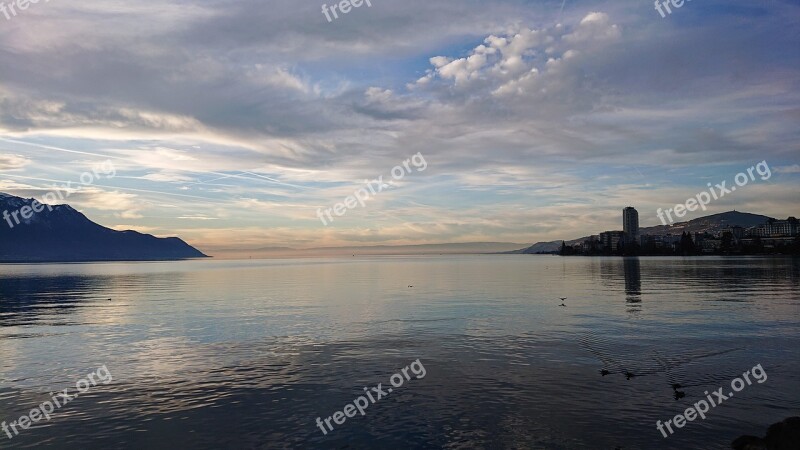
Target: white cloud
x=544 y=68
x=167 y=176
x=279 y=77
x=126 y=205
x=197 y=217
x=13 y=162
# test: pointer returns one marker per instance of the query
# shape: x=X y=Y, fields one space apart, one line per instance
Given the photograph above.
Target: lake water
x=247 y=354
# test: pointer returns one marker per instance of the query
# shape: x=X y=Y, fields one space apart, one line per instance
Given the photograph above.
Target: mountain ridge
x=60 y=233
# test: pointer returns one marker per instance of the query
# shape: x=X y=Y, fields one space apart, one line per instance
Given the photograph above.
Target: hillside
x=65 y=235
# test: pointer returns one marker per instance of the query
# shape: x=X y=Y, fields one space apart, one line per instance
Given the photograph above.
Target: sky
x=236 y=124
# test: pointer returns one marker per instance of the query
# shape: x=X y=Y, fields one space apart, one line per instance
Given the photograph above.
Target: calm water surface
x=247 y=354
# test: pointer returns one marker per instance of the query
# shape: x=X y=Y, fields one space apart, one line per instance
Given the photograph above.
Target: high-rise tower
x=630 y=224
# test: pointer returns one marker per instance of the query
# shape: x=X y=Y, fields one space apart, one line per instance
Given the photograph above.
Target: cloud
x=139 y=228
x=280 y=77
x=197 y=217
x=166 y=176
x=126 y=205
x=13 y=162
x=794 y=168
x=529 y=65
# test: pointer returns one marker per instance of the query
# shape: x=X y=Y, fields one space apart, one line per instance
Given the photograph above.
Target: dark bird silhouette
x=679 y=395
x=604 y=372
x=629 y=375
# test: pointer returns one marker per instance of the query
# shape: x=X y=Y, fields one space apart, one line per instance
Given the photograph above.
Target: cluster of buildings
x=614 y=241
x=770 y=235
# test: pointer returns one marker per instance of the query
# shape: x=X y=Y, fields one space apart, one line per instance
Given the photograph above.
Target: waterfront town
x=718 y=238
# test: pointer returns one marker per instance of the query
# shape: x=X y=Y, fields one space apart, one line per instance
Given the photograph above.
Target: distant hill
x=66 y=235
x=711 y=224
x=382 y=250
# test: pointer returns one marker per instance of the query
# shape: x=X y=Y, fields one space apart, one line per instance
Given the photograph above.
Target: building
x=777 y=228
x=611 y=240
x=591 y=245
x=759 y=231
x=769 y=242
x=736 y=231
x=668 y=241
x=630 y=224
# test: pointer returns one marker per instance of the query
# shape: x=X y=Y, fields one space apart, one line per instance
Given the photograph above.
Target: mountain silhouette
x=62 y=234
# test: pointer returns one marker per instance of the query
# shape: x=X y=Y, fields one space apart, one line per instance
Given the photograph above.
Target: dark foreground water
x=247 y=354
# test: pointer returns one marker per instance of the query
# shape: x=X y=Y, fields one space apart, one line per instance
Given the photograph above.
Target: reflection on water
x=248 y=354
x=633 y=283
x=25 y=301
